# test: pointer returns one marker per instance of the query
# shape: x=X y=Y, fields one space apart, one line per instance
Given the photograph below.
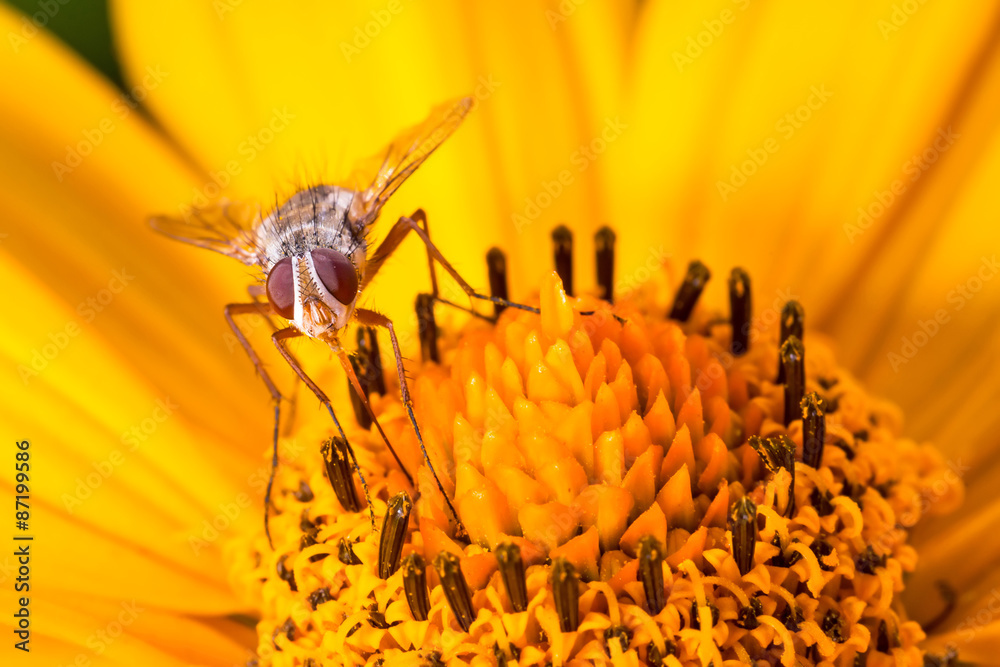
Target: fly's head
x=316 y=290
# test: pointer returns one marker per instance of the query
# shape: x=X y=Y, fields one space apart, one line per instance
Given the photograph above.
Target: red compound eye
x=337 y=274
x=281 y=288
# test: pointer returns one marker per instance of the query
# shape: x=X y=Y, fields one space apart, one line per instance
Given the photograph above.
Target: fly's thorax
x=316 y=217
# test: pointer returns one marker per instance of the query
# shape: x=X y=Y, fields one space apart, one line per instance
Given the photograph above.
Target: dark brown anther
x=747 y=616
x=376 y=619
x=619 y=634
x=496 y=265
x=306 y=524
x=833 y=626
x=304 y=494
x=696 y=618
x=778 y=451
x=367 y=365
x=306 y=540
x=744 y=527
x=793 y=360
x=562 y=248
x=456 y=589
x=318 y=597
x=433 y=659
x=390 y=544
x=566 y=593
x=345 y=552
x=697 y=277
x=340 y=472
x=427 y=328
x=358 y=362
x=654 y=658
x=503 y=658
x=883 y=642
x=368 y=341
x=286 y=574
x=512 y=574
x=793 y=319
x=415 y=586
x=823 y=550
x=604 y=244
x=813 y=430
x=791 y=617
x=287 y=628
x=868 y=560
x=739 y=311
x=651 y=573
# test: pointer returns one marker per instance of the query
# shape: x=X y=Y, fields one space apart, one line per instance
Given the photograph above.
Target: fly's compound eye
x=281 y=288
x=337 y=273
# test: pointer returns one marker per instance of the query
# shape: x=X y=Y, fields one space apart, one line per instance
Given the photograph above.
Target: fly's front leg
x=432 y=251
x=373 y=319
x=280 y=339
x=259 y=296
x=396 y=235
x=232 y=311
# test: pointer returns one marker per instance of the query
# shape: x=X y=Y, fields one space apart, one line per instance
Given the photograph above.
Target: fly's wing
x=379 y=177
x=223 y=226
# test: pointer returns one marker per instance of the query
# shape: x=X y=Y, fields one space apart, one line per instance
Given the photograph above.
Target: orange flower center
x=632 y=486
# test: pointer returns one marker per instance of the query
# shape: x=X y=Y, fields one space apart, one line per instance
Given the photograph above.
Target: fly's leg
x=398 y=232
x=279 y=338
x=356 y=385
x=259 y=296
x=239 y=309
x=371 y=318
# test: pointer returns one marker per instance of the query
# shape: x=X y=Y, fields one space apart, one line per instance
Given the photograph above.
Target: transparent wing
x=379 y=177
x=223 y=226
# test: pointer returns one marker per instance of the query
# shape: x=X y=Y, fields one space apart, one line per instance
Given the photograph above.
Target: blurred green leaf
x=82 y=24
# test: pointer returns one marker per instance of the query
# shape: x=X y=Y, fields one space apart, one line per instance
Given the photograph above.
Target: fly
x=313 y=253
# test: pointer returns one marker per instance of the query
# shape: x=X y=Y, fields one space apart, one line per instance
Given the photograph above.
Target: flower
x=617 y=503
x=676 y=126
